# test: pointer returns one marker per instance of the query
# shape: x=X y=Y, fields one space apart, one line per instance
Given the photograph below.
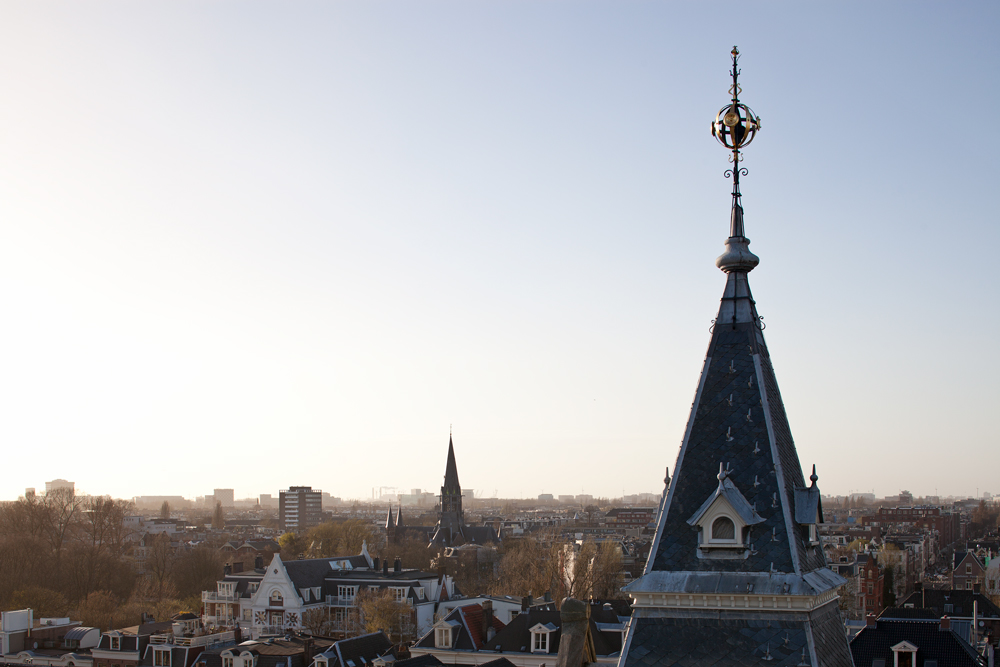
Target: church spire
x=451 y=469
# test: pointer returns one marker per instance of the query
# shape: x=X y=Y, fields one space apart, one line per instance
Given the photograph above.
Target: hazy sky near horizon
x=259 y=244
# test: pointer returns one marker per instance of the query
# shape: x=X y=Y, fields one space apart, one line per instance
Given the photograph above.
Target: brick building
x=911 y=519
x=871 y=580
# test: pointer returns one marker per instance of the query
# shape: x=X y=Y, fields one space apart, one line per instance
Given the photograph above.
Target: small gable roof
x=728 y=491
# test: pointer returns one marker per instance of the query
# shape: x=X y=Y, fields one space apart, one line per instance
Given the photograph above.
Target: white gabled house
x=275 y=598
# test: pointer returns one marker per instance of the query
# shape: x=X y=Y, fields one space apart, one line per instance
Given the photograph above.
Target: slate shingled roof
x=731 y=639
x=876 y=642
x=721 y=433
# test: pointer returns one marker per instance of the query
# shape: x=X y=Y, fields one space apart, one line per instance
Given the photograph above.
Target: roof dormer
x=723 y=521
x=809 y=510
x=445 y=633
x=541 y=637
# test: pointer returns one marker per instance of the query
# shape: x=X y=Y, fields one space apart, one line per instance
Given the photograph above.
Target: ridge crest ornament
x=735 y=126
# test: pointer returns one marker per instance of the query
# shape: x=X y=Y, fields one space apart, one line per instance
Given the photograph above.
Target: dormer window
x=116 y=642
x=540 y=637
x=161 y=657
x=904 y=654
x=723 y=521
x=227 y=661
x=444 y=634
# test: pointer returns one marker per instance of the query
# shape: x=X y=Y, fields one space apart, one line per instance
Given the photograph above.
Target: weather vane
x=735 y=126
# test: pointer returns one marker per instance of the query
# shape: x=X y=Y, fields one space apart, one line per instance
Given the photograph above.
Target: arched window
x=723 y=529
x=276 y=598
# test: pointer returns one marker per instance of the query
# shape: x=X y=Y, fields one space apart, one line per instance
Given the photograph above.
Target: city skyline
x=307 y=242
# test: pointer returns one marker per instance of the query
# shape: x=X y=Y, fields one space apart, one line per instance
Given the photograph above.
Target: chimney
x=975 y=586
x=385 y=567
x=870 y=621
x=487 y=606
x=576 y=646
x=258 y=563
x=307 y=651
x=548 y=596
x=945 y=623
x=525 y=603
x=375 y=564
x=397 y=565
x=227 y=570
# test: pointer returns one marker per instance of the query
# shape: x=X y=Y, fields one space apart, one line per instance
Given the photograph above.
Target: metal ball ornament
x=735 y=126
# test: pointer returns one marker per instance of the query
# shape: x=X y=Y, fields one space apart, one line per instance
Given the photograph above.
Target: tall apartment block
x=299 y=508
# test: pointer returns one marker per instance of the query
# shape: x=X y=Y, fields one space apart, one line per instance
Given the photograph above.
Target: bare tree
x=379 y=610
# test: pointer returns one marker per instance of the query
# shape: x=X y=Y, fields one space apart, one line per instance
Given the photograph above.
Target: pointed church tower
x=736 y=574
x=452 y=517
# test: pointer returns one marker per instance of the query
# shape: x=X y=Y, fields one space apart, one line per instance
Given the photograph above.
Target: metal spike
x=729 y=434
x=774 y=500
x=756 y=447
x=755 y=485
x=750 y=383
x=732 y=368
x=749 y=418
x=730 y=399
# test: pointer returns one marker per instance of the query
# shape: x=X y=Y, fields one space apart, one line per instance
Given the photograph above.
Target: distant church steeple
x=452 y=517
x=736 y=573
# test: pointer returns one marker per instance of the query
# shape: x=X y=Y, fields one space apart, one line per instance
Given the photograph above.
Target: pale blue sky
x=261 y=244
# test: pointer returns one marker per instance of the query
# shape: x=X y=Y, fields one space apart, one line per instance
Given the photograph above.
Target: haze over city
x=261 y=245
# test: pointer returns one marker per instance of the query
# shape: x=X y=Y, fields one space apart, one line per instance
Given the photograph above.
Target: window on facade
x=116 y=643
x=968 y=569
x=871 y=589
x=398 y=594
x=161 y=658
x=227 y=661
x=723 y=528
x=442 y=638
x=541 y=641
x=347 y=592
x=276 y=598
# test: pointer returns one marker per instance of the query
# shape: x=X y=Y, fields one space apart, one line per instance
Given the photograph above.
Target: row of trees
x=331 y=539
x=62 y=554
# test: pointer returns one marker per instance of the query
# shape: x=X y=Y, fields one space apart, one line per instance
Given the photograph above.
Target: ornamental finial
x=735 y=126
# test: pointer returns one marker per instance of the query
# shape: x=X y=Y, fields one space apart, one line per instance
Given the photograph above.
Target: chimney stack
x=307 y=651
x=870 y=621
x=397 y=565
x=375 y=564
x=524 y=603
x=258 y=563
x=488 y=632
x=945 y=623
x=385 y=567
x=227 y=570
